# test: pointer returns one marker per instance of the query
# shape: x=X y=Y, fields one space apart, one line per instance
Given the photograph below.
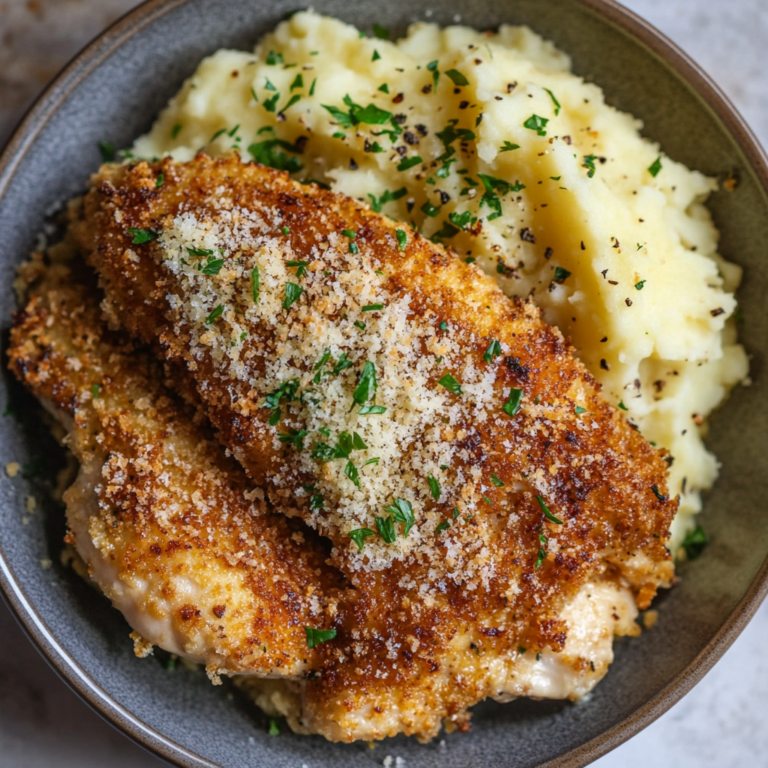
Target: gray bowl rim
x=78 y=678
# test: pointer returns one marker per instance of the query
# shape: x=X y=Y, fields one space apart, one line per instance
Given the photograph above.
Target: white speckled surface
x=720 y=724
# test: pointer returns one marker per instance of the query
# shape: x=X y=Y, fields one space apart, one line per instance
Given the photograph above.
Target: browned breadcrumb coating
x=162 y=518
x=274 y=301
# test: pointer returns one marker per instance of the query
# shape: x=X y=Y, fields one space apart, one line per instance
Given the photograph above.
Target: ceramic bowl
x=113 y=90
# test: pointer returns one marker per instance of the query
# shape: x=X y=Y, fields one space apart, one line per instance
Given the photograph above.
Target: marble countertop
x=720 y=724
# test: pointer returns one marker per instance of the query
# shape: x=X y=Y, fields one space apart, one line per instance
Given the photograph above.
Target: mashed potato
x=489 y=144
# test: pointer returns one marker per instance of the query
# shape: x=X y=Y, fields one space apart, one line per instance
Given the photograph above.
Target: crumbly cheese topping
x=322 y=345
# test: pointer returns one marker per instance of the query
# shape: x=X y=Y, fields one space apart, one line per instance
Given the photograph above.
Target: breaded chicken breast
x=205 y=579
x=171 y=530
x=497 y=520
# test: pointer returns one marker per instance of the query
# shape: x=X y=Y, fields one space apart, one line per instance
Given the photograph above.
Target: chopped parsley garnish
x=270 y=104
x=444 y=525
x=371 y=409
x=339 y=135
x=274 y=58
x=107 y=149
x=95 y=391
x=450 y=383
x=298 y=82
x=274 y=727
x=408 y=162
x=292 y=293
x=493 y=351
x=521 y=649
x=319 y=364
x=445 y=232
x=366 y=387
x=287 y=231
x=432 y=67
x=554 y=101
x=493 y=186
x=286 y=391
x=498 y=483
x=350 y=233
x=386 y=528
x=253 y=93
x=508 y=146
x=290 y=103
x=194 y=251
x=376 y=55
x=316 y=501
x=317 y=636
x=359 y=324
x=255 y=284
x=302 y=265
x=159 y=181
x=622 y=406
x=374 y=460
x=455 y=512
x=141 y=236
x=536 y=123
x=457 y=77
x=212 y=266
x=561 y=274
x=350 y=470
x=384 y=88
x=215 y=314
x=639 y=285
x=293 y=437
x=216 y=135
x=371 y=115
x=462 y=219
x=547 y=513
x=578 y=410
x=443 y=326
x=341 y=364
x=175 y=131
x=402 y=511
x=589 y=164
x=430 y=210
x=270 y=152
x=402 y=239
x=512 y=406
x=487 y=500
x=386 y=197
x=372 y=308
x=542 y=553
x=312 y=87
x=434 y=487
x=655 y=167
x=694 y=543
x=359 y=535
x=379 y=32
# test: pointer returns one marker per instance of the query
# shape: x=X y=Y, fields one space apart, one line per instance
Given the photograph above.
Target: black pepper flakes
x=397 y=99
x=716 y=312
x=548 y=253
x=352 y=164
x=410 y=138
x=463 y=104
x=422 y=129
x=400 y=118
x=427 y=89
x=604 y=365
x=444 y=196
x=583 y=247
x=628 y=302
x=527 y=235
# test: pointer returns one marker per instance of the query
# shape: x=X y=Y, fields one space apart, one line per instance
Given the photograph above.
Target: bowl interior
x=115 y=93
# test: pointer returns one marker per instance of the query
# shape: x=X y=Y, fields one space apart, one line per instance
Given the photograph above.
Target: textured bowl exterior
x=113 y=91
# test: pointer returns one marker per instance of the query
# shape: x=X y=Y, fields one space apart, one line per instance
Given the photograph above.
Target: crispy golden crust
x=157 y=504
x=438 y=617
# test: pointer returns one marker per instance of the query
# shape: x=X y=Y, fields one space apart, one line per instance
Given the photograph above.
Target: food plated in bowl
x=374 y=545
